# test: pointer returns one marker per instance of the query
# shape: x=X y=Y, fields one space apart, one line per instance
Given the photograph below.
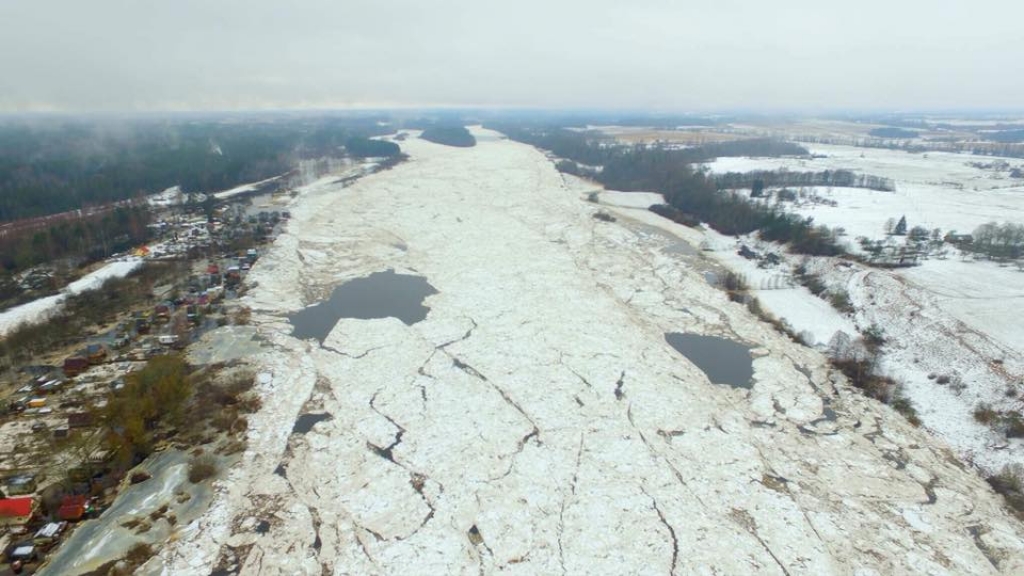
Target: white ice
x=536 y=421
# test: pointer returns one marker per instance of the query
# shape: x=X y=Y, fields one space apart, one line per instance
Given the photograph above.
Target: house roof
x=16 y=507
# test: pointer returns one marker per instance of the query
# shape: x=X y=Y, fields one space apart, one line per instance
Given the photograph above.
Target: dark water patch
x=305 y=422
x=280 y=471
x=711 y=278
x=722 y=360
x=263 y=527
x=379 y=295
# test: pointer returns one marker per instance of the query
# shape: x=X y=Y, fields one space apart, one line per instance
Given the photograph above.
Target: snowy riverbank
x=42 y=308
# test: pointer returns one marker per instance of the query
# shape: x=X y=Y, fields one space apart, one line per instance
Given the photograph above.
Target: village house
x=17 y=511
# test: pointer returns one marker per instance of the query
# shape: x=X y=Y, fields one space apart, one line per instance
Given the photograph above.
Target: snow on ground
x=946 y=316
x=864 y=212
x=169 y=197
x=983 y=295
x=923 y=340
x=630 y=199
x=934 y=168
x=777 y=292
x=934 y=190
x=40 y=309
x=537 y=422
x=243 y=188
x=774 y=288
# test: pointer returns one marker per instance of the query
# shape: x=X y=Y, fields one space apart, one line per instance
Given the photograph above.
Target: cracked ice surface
x=536 y=422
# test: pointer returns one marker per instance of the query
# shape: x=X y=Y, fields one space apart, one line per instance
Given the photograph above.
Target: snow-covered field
x=629 y=199
x=936 y=168
x=933 y=190
x=950 y=316
x=243 y=188
x=536 y=422
x=41 y=309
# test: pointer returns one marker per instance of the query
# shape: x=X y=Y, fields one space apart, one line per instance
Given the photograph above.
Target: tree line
x=88 y=238
x=1008 y=149
x=780 y=178
x=998 y=241
x=449 y=135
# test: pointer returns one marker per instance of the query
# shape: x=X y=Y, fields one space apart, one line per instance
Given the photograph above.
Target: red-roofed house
x=72 y=508
x=16 y=510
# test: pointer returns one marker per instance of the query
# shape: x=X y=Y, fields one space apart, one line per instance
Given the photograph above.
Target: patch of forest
x=1006 y=136
x=48 y=166
x=892 y=132
x=449 y=136
x=89 y=238
x=362 y=147
x=779 y=178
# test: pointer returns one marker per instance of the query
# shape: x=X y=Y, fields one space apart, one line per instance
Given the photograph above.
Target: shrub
x=840 y=300
x=814 y=284
x=138 y=554
x=243 y=315
x=200 y=468
x=224 y=420
x=874 y=337
x=1014 y=425
x=904 y=406
x=1010 y=483
x=985 y=414
x=861 y=375
x=675 y=215
x=735 y=283
x=568 y=167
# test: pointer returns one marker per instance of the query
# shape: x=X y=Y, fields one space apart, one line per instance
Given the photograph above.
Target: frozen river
x=536 y=421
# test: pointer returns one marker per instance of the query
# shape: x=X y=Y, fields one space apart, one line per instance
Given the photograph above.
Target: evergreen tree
x=901 y=227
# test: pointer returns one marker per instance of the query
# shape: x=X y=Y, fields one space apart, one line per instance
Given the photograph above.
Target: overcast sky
x=814 y=55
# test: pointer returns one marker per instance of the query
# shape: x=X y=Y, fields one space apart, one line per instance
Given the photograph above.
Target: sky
x=656 y=55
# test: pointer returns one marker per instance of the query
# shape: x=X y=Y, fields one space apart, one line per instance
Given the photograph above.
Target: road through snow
x=536 y=422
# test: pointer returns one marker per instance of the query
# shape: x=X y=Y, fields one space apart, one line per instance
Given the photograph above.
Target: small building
x=21 y=485
x=75 y=365
x=96 y=353
x=73 y=508
x=49 y=534
x=17 y=510
x=79 y=420
x=50 y=386
x=24 y=552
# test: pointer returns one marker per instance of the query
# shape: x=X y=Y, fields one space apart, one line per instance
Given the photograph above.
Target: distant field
x=689 y=137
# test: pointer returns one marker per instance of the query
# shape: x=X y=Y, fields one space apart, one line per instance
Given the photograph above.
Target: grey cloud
x=787 y=54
